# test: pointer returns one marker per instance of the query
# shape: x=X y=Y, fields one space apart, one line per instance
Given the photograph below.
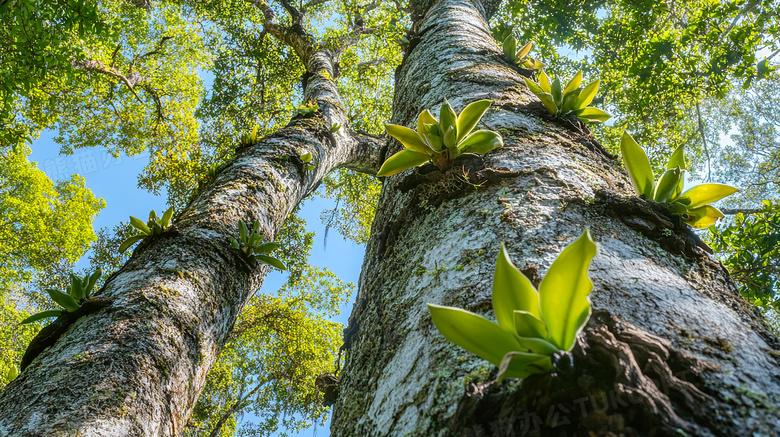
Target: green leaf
x=667 y=184
x=450 y=138
x=473 y=332
x=638 y=166
x=310 y=167
x=521 y=365
x=592 y=115
x=586 y=95
x=703 y=216
x=166 y=218
x=234 y=243
x=555 y=90
x=512 y=291
x=563 y=293
x=401 y=161
x=536 y=345
x=677 y=159
x=243 y=232
x=267 y=247
x=255 y=227
x=41 y=315
x=528 y=325
x=271 y=261
x=76 y=287
x=569 y=100
x=703 y=194
x=481 y=142
x=306 y=157
x=470 y=116
x=544 y=82
x=408 y=138
x=447 y=119
x=523 y=52
x=574 y=83
x=129 y=242
x=141 y=226
x=510 y=47
x=63 y=299
x=91 y=282
x=546 y=98
x=425 y=118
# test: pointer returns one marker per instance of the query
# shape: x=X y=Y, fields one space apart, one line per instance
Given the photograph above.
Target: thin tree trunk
x=137 y=366
x=671 y=348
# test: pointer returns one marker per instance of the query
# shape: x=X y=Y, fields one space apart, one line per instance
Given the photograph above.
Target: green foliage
x=441 y=141
x=334 y=127
x=520 y=57
x=749 y=246
x=70 y=300
x=571 y=100
x=532 y=325
x=14 y=337
x=306 y=109
x=251 y=244
x=42 y=223
x=153 y=227
x=306 y=158
x=691 y=205
x=357 y=195
x=247 y=139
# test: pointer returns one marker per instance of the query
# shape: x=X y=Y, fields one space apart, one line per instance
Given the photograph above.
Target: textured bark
x=671 y=348
x=136 y=366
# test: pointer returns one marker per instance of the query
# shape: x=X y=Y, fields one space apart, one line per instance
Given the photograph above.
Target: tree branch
x=704 y=141
x=745 y=211
x=233 y=408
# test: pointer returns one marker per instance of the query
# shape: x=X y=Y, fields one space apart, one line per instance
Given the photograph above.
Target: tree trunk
x=136 y=365
x=671 y=348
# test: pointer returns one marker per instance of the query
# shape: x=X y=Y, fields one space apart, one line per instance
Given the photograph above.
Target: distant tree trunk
x=136 y=366
x=671 y=348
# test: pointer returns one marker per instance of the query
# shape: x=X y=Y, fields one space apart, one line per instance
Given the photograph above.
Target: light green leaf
x=129 y=242
x=569 y=100
x=447 y=119
x=243 y=232
x=587 y=94
x=141 y=226
x=470 y=116
x=166 y=218
x=546 y=98
x=234 y=243
x=401 y=161
x=408 y=138
x=667 y=184
x=63 y=299
x=306 y=157
x=524 y=51
x=592 y=115
x=707 y=193
x=703 y=216
x=425 y=118
x=677 y=159
x=536 y=345
x=544 y=82
x=91 y=282
x=310 y=167
x=481 y=142
x=271 y=261
x=473 y=332
x=563 y=293
x=638 y=166
x=512 y=291
x=510 y=47
x=41 y=315
x=267 y=247
x=574 y=83
x=555 y=90
x=528 y=325
x=521 y=365
x=450 y=138
x=76 y=287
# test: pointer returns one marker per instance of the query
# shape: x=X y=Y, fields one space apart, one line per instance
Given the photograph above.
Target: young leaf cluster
x=532 y=325
x=691 y=205
x=570 y=100
x=520 y=57
x=442 y=140
x=307 y=108
x=249 y=139
x=71 y=299
x=306 y=158
x=153 y=226
x=251 y=244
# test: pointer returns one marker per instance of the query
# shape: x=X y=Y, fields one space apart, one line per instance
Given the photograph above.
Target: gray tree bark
x=671 y=348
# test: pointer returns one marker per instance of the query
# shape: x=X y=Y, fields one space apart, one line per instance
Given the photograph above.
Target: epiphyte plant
x=691 y=205
x=307 y=108
x=250 y=243
x=532 y=325
x=440 y=141
x=520 y=57
x=249 y=139
x=71 y=299
x=154 y=226
x=306 y=158
x=570 y=100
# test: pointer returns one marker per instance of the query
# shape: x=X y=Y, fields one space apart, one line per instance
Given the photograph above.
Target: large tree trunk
x=137 y=365
x=671 y=347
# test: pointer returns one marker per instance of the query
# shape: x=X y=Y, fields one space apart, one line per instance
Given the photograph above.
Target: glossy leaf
x=91 y=282
x=528 y=325
x=703 y=216
x=267 y=247
x=65 y=300
x=481 y=142
x=401 y=161
x=510 y=47
x=544 y=82
x=512 y=291
x=592 y=115
x=243 y=232
x=271 y=261
x=522 y=365
x=306 y=157
x=574 y=83
x=141 y=226
x=129 y=242
x=677 y=159
x=470 y=116
x=667 y=184
x=425 y=118
x=473 y=332
x=165 y=221
x=523 y=52
x=557 y=93
x=563 y=293
x=408 y=138
x=42 y=315
x=76 y=287
x=447 y=119
x=587 y=94
x=638 y=166
x=707 y=193
x=545 y=97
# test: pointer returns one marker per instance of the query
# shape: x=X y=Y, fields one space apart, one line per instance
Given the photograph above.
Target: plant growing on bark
x=520 y=57
x=306 y=158
x=692 y=205
x=440 y=141
x=249 y=139
x=251 y=244
x=153 y=226
x=532 y=325
x=570 y=100
x=71 y=299
x=307 y=108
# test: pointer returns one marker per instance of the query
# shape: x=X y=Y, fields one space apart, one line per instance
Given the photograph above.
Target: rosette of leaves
x=249 y=139
x=71 y=299
x=440 y=141
x=570 y=100
x=532 y=325
x=307 y=108
x=520 y=57
x=153 y=226
x=691 y=205
x=251 y=243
